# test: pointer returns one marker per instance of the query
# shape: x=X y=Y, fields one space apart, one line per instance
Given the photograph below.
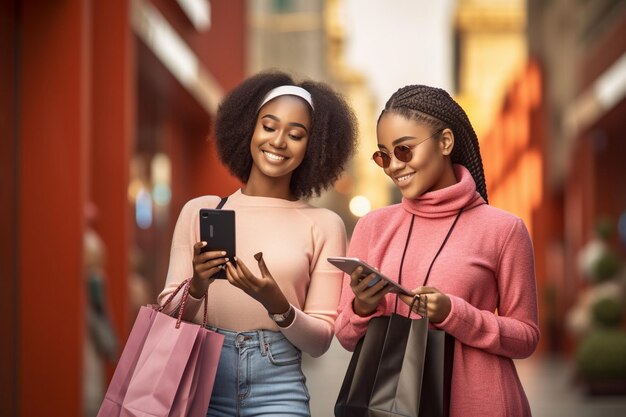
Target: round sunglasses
x=403 y=153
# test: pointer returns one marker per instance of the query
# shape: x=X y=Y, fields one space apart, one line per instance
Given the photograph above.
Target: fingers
x=263 y=289
x=262 y=267
x=243 y=269
x=422 y=302
x=201 y=257
x=240 y=276
x=421 y=305
x=207 y=264
x=368 y=289
x=427 y=290
x=197 y=247
x=236 y=278
x=362 y=284
x=197 y=251
x=434 y=304
x=355 y=276
x=406 y=299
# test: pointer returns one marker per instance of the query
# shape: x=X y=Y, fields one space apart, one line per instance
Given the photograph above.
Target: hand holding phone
x=348 y=265
x=217 y=228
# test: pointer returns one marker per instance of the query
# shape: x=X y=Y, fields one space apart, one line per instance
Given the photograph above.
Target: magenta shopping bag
x=170 y=370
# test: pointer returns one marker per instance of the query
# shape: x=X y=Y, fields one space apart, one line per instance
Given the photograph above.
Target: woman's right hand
x=366 y=297
x=205 y=266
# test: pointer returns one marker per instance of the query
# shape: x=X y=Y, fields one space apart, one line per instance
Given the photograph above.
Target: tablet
x=348 y=265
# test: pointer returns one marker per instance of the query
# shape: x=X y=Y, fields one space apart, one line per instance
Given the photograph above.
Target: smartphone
x=217 y=229
x=348 y=265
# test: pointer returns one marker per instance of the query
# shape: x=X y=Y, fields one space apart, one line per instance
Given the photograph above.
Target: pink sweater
x=295 y=238
x=487 y=269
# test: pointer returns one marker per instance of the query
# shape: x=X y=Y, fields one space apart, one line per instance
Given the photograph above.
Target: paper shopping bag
x=399 y=368
x=167 y=368
x=118 y=386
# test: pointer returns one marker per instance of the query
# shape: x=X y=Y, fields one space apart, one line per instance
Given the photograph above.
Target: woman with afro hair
x=472 y=262
x=286 y=142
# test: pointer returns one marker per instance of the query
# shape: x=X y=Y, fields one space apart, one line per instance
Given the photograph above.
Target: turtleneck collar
x=447 y=201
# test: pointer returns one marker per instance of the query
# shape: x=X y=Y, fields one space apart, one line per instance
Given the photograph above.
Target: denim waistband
x=249 y=338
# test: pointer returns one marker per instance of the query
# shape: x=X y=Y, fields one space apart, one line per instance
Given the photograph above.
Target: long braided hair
x=434 y=107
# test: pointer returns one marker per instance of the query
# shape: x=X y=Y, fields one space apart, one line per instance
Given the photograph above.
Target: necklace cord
x=406 y=245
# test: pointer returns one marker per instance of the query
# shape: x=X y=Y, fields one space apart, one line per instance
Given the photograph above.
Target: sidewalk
x=551 y=393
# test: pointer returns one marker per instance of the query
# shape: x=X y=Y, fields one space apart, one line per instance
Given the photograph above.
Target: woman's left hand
x=264 y=289
x=439 y=304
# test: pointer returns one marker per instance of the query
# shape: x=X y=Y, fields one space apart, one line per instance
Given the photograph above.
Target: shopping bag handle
x=418 y=298
x=185 y=287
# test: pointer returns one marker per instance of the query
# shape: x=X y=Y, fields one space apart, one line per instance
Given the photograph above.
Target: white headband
x=288 y=90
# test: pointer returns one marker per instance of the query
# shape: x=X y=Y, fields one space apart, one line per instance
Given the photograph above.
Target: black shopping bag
x=399 y=368
x=437 y=377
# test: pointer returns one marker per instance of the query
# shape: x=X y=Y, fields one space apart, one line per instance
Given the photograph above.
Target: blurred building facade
x=306 y=38
x=109 y=102
x=113 y=101
x=555 y=147
x=580 y=48
x=500 y=89
x=490 y=48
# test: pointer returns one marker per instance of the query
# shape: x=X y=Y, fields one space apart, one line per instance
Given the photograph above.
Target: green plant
x=605 y=267
x=602 y=354
x=608 y=312
x=605 y=228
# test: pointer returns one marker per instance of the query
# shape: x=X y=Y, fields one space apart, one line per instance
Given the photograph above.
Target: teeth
x=403 y=178
x=274 y=156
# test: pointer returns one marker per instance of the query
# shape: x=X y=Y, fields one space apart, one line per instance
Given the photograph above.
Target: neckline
x=249 y=200
x=446 y=202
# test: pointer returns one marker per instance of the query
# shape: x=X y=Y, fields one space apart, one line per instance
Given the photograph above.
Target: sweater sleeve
x=350 y=327
x=512 y=332
x=313 y=327
x=180 y=265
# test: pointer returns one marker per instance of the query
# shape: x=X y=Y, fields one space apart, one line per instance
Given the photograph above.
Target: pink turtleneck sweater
x=487 y=270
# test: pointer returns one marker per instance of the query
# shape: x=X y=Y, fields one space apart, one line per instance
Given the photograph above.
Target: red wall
x=8 y=208
x=185 y=129
x=221 y=49
x=113 y=132
x=75 y=133
x=54 y=109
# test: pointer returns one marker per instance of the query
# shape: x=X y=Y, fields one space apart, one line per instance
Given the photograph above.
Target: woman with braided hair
x=473 y=262
x=285 y=141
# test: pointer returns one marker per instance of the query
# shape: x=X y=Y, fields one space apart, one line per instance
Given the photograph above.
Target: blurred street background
x=106 y=116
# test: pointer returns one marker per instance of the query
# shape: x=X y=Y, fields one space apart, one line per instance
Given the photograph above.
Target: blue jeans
x=259 y=374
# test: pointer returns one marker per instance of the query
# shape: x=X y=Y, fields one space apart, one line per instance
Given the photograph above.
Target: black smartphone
x=217 y=229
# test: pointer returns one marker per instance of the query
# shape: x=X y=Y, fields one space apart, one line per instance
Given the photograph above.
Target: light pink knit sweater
x=295 y=238
x=487 y=269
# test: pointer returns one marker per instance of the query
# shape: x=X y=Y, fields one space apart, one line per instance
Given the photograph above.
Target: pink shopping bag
x=172 y=372
x=209 y=359
x=114 y=396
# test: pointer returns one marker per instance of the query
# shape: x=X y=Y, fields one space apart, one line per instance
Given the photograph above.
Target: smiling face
x=279 y=143
x=429 y=168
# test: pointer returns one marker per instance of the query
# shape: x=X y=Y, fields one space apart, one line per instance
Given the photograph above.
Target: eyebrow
x=294 y=124
x=399 y=140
